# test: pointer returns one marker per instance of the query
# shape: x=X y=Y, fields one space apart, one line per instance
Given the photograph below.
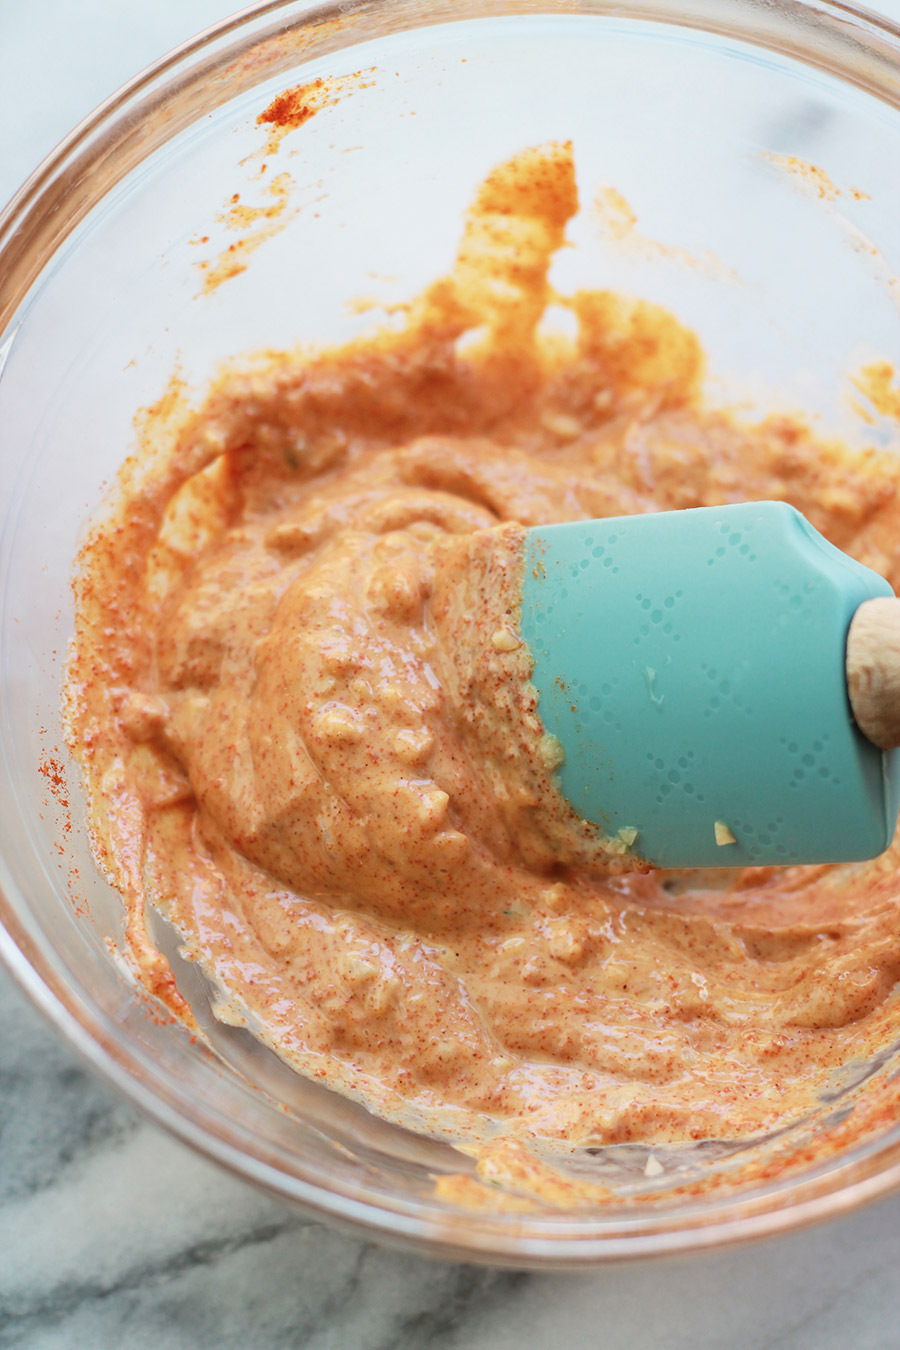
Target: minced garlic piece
x=506 y=639
x=551 y=752
x=622 y=840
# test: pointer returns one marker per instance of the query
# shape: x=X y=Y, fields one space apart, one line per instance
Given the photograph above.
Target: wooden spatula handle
x=873 y=670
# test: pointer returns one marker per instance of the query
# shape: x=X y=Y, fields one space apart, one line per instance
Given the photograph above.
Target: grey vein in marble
x=112 y=1234
x=66 y=1116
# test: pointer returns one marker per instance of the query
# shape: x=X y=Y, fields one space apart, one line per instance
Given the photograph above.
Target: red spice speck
x=292 y=108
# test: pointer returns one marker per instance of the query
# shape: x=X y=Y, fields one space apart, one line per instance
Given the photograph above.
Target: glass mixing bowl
x=705 y=115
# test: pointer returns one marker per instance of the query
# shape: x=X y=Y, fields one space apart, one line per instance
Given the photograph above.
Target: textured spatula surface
x=692 y=665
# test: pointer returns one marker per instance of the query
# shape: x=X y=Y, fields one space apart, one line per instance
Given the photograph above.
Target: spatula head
x=691 y=663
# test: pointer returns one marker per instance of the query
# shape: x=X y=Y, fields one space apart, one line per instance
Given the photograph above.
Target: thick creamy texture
x=308 y=737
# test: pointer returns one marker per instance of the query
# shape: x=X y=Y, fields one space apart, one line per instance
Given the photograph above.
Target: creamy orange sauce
x=308 y=738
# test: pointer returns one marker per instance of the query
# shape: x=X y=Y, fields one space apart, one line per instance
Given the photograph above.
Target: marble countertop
x=112 y=1234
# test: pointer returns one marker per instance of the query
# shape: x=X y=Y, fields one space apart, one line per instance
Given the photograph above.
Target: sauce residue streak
x=813 y=179
x=308 y=737
x=262 y=223
x=258 y=223
x=879 y=383
x=618 y=224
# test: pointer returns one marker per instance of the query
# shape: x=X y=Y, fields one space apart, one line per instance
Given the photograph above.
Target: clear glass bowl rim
x=855 y=46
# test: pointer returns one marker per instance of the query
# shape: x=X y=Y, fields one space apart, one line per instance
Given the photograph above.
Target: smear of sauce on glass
x=618 y=225
x=879 y=383
x=813 y=181
x=258 y=222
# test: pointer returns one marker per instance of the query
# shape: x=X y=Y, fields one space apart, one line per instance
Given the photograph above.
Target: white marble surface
x=113 y=1235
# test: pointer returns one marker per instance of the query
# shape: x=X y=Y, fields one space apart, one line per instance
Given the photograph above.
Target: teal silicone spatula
x=694 y=666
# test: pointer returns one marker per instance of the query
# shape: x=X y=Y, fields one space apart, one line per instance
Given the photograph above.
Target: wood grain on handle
x=873 y=670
